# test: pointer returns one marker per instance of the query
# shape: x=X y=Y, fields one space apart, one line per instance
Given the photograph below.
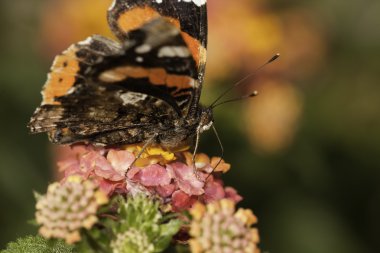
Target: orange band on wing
x=197 y=50
x=62 y=76
x=135 y=18
x=156 y=76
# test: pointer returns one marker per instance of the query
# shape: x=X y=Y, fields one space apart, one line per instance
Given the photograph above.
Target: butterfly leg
x=195 y=170
x=146 y=144
x=221 y=149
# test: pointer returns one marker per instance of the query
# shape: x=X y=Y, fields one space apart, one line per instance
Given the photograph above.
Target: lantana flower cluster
x=66 y=208
x=169 y=176
x=216 y=228
x=131 y=199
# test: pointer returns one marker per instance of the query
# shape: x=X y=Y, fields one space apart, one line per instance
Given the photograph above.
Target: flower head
x=68 y=207
x=216 y=228
x=132 y=241
x=150 y=155
x=204 y=163
x=165 y=174
x=142 y=227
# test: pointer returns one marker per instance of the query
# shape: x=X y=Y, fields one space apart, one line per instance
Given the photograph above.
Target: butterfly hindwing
x=67 y=74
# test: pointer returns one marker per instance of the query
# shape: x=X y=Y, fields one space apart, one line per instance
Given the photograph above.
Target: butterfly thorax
x=206 y=119
x=184 y=130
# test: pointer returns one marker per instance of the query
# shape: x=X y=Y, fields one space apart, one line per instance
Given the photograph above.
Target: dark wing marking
x=156 y=61
x=101 y=115
x=190 y=16
x=104 y=93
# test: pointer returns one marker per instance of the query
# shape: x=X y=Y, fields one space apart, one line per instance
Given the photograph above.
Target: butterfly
x=143 y=89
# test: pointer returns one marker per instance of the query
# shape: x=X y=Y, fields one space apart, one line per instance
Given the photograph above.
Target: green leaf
x=37 y=244
x=167 y=232
x=170 y=228
x=162 y=243
x=94 y=241
x=84 y=247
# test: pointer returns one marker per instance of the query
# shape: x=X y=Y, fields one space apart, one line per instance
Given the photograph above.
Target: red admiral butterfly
x=144 y=89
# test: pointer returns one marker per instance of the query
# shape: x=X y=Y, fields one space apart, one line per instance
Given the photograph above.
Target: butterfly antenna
x=253 y=94
x=243 y=81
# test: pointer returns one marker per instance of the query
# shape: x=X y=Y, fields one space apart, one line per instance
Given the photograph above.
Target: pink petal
x=208 y=169
x=154 y=175
x=186 y=179
x=97 y=163
x=165 y=190
x=181 y=201
x=109 y=187
x=86 y=162
x=80 y=150
x=69 y=166
x=135 y=188
x=120 y=160
x=106 y=187
x=102 y=151
x=132 y=172
x=213 y=191
x=232 y=194
x=64 y=153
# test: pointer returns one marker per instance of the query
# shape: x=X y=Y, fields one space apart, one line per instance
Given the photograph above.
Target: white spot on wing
x=145 y=48
x=200 y=2
x=112 y=76
x=131 y=98
x=196 y=2
x=174 y=51
x=139 y=59
x=194 y=83
x=86 y=41
x=70 y=91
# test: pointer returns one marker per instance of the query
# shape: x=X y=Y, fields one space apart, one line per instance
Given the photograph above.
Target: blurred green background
x=305 y=154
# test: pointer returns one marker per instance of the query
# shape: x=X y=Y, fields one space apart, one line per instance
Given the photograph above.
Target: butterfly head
x=206 y=119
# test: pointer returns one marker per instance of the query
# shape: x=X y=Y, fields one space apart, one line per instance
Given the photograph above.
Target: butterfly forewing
x=107 y=93
x=189 y=16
